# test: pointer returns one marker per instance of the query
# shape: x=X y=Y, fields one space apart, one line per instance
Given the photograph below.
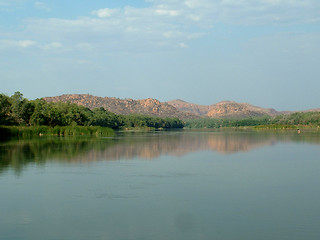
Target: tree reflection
x=16 y=155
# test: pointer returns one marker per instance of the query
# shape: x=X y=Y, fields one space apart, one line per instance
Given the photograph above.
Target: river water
x=210 y=185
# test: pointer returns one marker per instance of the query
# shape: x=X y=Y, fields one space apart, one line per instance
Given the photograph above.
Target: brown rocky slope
x=225 y=109
x=175 y=108
x=149 y=106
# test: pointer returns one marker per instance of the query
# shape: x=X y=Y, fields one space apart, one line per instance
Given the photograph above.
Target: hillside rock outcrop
x=149 y=106
x=225 y=109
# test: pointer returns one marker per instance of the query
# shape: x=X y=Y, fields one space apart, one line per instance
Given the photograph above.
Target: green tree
x=17 y=101
x=104 y=118
x=39 y=115
x=5 y=110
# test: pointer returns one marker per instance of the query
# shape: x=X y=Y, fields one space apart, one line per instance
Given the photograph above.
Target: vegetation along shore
x=301 y=120
x=22 y=117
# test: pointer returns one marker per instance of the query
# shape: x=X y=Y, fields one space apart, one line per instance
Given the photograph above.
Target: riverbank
x=7 y=132
x=297 y=128
x=31 y=131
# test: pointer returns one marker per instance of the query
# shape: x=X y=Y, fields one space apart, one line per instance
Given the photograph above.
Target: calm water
x=162 y=186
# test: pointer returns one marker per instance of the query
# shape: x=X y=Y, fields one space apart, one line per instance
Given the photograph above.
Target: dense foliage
x=311 y=119
x=19 y=111
x=300 y=118
x=147 y=121
x=218 y=123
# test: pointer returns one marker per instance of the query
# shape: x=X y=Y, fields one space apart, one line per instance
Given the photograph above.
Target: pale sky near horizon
x=264 y=52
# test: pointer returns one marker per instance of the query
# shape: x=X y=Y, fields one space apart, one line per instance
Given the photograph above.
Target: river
x=162 y=185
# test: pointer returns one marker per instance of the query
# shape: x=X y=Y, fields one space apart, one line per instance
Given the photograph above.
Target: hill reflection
x=17 y=154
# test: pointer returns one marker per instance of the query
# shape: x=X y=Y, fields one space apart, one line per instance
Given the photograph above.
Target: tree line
x=308 y=119
x=19 y=111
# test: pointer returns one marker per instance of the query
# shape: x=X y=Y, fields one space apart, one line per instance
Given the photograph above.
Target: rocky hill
x=239 y=110
x=225 y=109
x=176 y=108
x=200 y=110
x=150 y=107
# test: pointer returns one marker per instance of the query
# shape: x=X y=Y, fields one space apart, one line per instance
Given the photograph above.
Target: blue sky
x=264 y=52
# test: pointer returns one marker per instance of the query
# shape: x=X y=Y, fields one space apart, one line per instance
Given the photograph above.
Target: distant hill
x=225 y=109
x=150 y=107
x=176 y=108
x=200 y=110
x=312 y=110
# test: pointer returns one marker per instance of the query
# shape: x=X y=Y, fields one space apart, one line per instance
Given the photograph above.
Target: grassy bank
x=287 y=127
x=22 y=131
x=308 y=120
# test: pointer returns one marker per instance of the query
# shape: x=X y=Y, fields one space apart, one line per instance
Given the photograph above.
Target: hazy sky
x=264 y=52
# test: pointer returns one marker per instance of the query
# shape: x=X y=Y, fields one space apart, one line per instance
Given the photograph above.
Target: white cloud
x=183 y=45
x=131 y=29
x=52 y=46
x=170 y=34
x=252 y=12
x=164 y=24
x=5 y=44
x=197 y=3
x=105 y=12
x=25 y=43
x=126 y=29
x=10 y=5
x=194 y=17
x=167 y=12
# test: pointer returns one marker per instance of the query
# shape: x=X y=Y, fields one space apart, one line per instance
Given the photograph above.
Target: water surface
x=162 y=185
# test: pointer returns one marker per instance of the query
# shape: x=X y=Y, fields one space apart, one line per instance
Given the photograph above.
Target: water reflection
x=149 y=145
